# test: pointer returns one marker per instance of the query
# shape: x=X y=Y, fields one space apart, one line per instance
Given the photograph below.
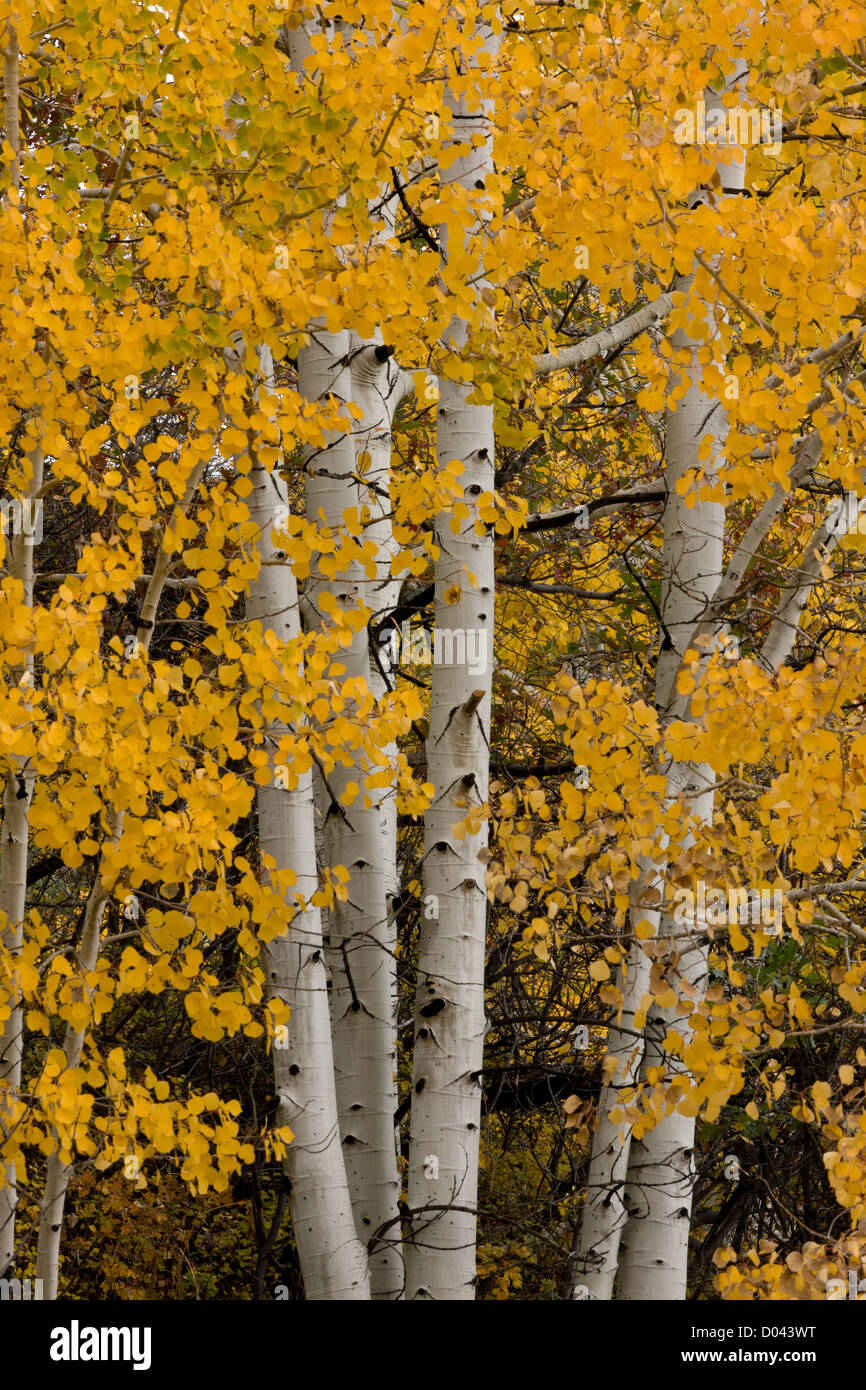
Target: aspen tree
x=351 y=477
x=333 y=1260
x=449 y=1000
x=583 y=97
x=18 y=787
x=362 y=944
x=58 y=1171
x=660 y=1177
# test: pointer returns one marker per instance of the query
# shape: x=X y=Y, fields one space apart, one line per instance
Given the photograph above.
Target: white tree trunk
x=660 y=1173
x=14 y=841
x=333 y=1261
x=361 y=935
x=58 y=1170
x=449 y=1005
x=360 y=939
x=660 y=1179
x=604 y=1214
x=388 y=1278
x=18 y=789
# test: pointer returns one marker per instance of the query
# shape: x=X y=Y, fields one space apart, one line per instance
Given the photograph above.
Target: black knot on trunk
x=434 y=1007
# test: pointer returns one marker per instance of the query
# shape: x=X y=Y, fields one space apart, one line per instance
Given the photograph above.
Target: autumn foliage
x=185 y=200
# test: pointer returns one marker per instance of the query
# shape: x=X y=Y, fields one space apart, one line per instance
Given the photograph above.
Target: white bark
x=660 y=1172
x=11 y=92
x=660 y=1179
x=604 y=1213
x=449 y=1007
x=638 y=1234
x=654 y=1247
x=333 y=1261
x=58 y=1172
x=18 y=789
x=382 y=677
x=362 y=836
x=607 y=338
x=361 y=942
x=14 y=841
x=779 y=642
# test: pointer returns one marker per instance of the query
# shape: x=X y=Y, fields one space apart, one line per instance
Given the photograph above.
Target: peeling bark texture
x=449 y=1004
x=332 y=1259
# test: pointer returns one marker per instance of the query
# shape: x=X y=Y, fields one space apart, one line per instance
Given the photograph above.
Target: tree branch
x=609 y=338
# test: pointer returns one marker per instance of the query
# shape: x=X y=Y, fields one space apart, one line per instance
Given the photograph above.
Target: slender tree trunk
x=604 y=1213
x=660 y=1178
x=333 y=1261
x=360 y=836
x=360 y=945
x=14 y=841
x=660 y=1172
x=59 y=1170
x=362 y=930
x=18 y=788
x=449 y=1005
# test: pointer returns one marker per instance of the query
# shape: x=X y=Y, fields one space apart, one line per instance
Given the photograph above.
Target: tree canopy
x=431 y=649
